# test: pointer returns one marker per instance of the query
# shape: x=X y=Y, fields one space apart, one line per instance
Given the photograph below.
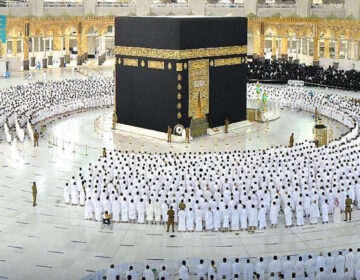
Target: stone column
x=57 y=44
x=32 y=59
x=90 y=7
x=307 y=46
x=262 y=43
x=84 y=47
x=316 y=49
x=290 y=45
x=2 y=49
x=257 y=45
x=14 y=47
x=352 y=49
x=26 y=53
x=297 y=48
x=346 y=49
x=79 y=48
x=37 y=7
x=197 y=7
x=327 y=48
x=143 y=7
x=44 y=60
x=33 y=45
x=284 y=46
x=273 y=47
x=67 y=49
x=338 y=47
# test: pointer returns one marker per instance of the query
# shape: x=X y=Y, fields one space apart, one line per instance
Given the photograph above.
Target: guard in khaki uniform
x=182 y=205
x=171 y=220
x=34 y=193
x=187 y=135
x=348 y=203
x=226 y=125
x=169 y=132
x=104 y=153
x=114 y=121
x=36 y=138
x=291 y=142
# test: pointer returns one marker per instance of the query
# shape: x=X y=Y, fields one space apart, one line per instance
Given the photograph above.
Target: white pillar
x=197 y=7
x=44 y=45
x=297 y=49
x=290 y=46
x=90 y=7
x=143 y=7
x=352 y=8
x=356 y=50
x=33 y=44
x=37 y=7
x=302 y=7
x=307 y=46
x=50 y=43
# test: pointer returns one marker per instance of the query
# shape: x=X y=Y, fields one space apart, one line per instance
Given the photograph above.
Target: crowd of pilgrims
x=282 y=71
x=230 y=190
x=341 y=265
x=30 y=103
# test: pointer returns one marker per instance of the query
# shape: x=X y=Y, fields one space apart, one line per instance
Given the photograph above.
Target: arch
x=16 y=32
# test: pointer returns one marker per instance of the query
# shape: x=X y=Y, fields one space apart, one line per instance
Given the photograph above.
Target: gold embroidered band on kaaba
x=180 y=54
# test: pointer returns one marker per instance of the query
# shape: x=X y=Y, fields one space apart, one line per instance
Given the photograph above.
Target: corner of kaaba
x=188 y=71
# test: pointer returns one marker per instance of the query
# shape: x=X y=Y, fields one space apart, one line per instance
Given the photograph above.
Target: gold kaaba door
x=198 y=88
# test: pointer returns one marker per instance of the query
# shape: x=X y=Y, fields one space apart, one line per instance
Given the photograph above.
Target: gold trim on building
x=198 y=88
x=228 y=61
x=131 y=62
x=179 y=67
x=179 y=54
x=156 y=64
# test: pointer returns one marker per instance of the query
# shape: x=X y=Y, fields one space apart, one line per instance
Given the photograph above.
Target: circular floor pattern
x=53 y=240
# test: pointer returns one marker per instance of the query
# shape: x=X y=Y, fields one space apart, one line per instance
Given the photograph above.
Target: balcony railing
x=173 y=5
x=115 y=4
x=62 y=4
x=277 y=6
x=327 y=6
x=225 y=5
x=14 y=4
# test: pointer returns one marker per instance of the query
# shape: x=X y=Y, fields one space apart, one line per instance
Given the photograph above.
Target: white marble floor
x=53 y=241
x=93 y=128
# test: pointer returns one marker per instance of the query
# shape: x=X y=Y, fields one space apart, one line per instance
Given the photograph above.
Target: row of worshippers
x=303 y=173
x=218 y=216
x=282 y=71
x=31 y=103
x=342 y=265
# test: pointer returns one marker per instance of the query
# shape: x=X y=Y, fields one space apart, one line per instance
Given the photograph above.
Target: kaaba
x=186 y=71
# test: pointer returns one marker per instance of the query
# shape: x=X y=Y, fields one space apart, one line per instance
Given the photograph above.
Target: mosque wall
x=303 y=37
